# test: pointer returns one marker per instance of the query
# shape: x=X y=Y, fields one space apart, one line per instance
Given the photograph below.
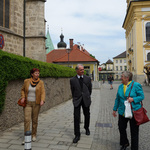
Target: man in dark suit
x=81 y=88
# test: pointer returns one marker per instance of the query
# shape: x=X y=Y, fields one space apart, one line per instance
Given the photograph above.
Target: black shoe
x=87 y=132
x=124 y=147
x=76 y=139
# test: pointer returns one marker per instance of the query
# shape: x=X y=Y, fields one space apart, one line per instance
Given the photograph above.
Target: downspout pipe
x=24 y=26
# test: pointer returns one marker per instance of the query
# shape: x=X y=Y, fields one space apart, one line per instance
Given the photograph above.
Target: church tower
x=49 y=43
x=35 y=29
x=137 y=27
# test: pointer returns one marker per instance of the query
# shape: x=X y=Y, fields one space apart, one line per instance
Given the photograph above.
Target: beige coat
x=40 y=91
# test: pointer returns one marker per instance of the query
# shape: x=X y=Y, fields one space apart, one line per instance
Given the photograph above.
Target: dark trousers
x=86 y=112
x=134 y=130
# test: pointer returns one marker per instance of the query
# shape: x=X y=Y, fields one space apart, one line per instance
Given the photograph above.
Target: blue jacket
x=136 y=93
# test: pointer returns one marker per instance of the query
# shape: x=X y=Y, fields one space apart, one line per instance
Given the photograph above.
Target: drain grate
x=107 y=125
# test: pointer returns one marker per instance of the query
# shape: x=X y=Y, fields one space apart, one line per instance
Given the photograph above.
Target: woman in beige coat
x=33 y=92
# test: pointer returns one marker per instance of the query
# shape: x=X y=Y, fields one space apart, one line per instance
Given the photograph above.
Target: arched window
x=148 y=31
x=4 y=13
x=148 y=56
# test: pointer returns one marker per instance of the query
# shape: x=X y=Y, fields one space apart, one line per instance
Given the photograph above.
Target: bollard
x=27 y=145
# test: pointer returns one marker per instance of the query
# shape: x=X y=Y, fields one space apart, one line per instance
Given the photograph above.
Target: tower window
x=148 y=31
x=4 y=13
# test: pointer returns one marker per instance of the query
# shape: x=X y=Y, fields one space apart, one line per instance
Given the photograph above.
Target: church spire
x=49 y=43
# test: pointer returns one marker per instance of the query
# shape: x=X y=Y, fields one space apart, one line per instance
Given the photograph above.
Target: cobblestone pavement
x=55 y=129
x=107 y=136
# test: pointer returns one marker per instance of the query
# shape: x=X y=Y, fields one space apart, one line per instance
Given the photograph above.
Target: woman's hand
x=41 y=103
x=130 y=99
x=22 y=100
x=114 y=113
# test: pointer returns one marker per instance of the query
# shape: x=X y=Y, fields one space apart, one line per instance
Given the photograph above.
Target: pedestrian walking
x=103 y=79
x=110 y=81
x=136 y=96
x=33 y=92
x=81 y=88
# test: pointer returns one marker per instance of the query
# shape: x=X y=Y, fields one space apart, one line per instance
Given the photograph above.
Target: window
x=121 y=68
x=116 y=61
x=124 y=60
x=148 y=31
x=125 y=68
x=4 y=13
x=87 y=69
x=116 y=76
x=148 y=57
x=120 y=61
x=117 y=68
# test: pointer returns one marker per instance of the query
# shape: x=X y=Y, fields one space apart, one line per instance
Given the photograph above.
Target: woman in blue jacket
x=136 y=96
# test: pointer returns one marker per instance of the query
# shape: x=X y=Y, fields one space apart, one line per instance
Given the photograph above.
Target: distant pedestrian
x=103 y=80
x=33 y=92
x=81 y=88
x=110 y=81
x=136 y=96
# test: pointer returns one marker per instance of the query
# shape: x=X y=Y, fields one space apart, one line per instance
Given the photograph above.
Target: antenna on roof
x=47 y=27
x=61 y=31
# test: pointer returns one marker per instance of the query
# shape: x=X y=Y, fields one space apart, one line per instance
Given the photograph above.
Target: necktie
x=81 y=82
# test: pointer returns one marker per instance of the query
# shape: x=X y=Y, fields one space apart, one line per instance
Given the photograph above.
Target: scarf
x=33 y=82
x=125 y=87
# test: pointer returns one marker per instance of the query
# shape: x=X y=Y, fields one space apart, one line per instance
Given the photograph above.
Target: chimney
x=71 y=44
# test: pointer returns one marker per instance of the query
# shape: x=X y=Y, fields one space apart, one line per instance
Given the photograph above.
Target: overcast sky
x=95 y=23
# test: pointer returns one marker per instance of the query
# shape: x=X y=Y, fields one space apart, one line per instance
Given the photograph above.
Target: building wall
x=35 y=29
x=13 y=43
x=119 y=63
x=136 y=44
x=109 y=67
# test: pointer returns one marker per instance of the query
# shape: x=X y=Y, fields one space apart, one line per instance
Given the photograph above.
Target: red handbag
x=140 y=115
x=21 y=104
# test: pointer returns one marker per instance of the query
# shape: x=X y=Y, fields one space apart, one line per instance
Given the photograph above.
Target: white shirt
x=79 y=76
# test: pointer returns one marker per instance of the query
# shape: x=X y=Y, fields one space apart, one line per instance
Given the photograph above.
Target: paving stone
x=59 y=147
x=16 y=147
x=4 y=145
x=84 y=145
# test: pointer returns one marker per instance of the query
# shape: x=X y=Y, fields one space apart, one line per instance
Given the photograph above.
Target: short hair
x=128 y=74
x=34 y=70
x=77 y=67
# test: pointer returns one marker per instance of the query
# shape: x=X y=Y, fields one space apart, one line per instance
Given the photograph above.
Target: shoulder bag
x=140 y=115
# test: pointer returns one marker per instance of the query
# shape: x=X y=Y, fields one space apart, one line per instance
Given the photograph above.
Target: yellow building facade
x=137 y=26
x=90 y=68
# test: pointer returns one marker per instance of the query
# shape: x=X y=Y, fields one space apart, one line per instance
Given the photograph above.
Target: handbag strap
x=130 y=92
x=129 y=95
x=130 y=89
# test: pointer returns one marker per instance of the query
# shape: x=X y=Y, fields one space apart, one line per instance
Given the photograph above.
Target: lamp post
x=68 y=51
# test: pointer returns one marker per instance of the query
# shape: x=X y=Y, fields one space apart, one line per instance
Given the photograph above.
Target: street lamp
x=68 y=51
